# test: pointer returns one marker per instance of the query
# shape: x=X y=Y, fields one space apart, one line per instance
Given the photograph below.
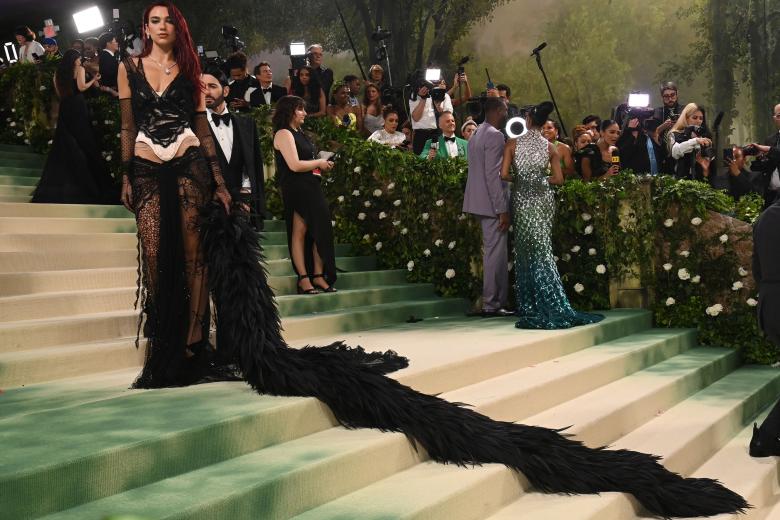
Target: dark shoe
x=760 y=448
x=205 y=368
x=301 y=290
x=329 y=288
x=498 y=313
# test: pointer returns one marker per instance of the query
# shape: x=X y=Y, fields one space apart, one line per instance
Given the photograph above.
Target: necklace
x=166 y=69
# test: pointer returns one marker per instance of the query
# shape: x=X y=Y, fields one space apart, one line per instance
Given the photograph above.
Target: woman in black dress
x=596 y=158
x=306 y=212
x=75 y=172
x=305 y=85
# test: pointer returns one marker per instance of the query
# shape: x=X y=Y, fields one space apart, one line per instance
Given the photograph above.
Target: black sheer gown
x=75 y=172
x=302 y=194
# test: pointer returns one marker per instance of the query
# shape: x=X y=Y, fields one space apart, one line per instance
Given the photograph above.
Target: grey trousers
x=495 y=278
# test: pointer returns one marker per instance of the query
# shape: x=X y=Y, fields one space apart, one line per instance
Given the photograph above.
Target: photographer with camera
x=640 y=150
x=108 y=63
x=690 y=145
x=30 y=51
x=460 y=82
x=428 y=101
x=323 y=74
x=768 y=162
x=241 y=83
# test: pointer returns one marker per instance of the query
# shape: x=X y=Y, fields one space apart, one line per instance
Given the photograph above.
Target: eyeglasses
x=669 y=96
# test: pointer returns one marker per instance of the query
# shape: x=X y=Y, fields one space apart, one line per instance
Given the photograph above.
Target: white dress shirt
x=428 y=119
x=774 y=181
x=224 y=134
x=452 y=146
x=267 y=95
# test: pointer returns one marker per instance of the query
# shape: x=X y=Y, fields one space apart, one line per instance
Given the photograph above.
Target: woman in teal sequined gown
x=541 y=300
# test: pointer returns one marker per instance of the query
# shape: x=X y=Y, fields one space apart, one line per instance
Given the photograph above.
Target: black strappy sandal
x=329 y=289
x=301 y=290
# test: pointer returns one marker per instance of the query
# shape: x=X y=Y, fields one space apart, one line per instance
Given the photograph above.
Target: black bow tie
x=450 y=139
x=266 y=90
x=223 y=118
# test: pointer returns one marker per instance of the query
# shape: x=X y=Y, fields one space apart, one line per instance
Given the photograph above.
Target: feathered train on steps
x=352 y=383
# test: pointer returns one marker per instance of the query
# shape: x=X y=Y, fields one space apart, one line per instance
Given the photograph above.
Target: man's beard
x=214 y=104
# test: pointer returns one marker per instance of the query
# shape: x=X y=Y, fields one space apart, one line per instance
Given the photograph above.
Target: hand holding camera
x=704 y=142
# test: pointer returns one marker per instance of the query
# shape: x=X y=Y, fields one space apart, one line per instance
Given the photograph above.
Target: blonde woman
x=690 y=144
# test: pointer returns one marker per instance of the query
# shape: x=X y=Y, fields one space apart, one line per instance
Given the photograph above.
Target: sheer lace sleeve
x=200 y=125
x=127 y=135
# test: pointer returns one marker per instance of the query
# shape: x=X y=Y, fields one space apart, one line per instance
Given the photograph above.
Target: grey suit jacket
x=486 y=194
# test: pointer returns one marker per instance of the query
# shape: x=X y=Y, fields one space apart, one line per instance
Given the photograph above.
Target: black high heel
x=301 y=290
x=329 y=289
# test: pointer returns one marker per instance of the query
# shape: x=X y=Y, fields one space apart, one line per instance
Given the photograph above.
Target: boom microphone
x=539 y=48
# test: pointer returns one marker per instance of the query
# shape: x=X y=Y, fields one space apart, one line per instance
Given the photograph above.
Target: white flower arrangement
x=332 y=223
x=425 y=216
x=601 y=269
x=683 y=274
x=592 y=251
x=404 y=231
x=449 y=274
x=451 y=245
x=752 y=302
x=578 y=288
x=356 y=193
x=377 y=192
x=396 y=223
x=723 y=238
x=382 y=215
x=742 y=271
x=410 y=265
x=357 y=169
x=684 y=253
x=588 y=229
x=438 y=242
x=668 y=223
x=670 y=301
x=390 y=186
x=714 y=310
x=13 y=124
x=566 y=257
x=19 y=134
x=340 y=198
x=440 y=203
x=736 y=286
x=361 y=216
x=667 y=267
x=108 y=158
x=696 y=279
x=575 y=249
x=427 y=252
x=43 y=88
x=555 y=258
x=462 y=216
x=397 y=202
x=586 y=217
x=696 y=221
x=366 y=237
x=378 y=246
x=367 y=203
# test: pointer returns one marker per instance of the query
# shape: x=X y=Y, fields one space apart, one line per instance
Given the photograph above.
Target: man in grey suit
x=487 y=198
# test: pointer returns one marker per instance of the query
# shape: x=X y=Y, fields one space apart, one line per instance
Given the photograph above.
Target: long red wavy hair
x=183 y=49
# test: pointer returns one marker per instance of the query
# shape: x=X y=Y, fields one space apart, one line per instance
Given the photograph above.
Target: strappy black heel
x=329 y=289
x=301 y=290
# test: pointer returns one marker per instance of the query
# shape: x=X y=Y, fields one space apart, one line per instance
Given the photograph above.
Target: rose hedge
x=407 y=212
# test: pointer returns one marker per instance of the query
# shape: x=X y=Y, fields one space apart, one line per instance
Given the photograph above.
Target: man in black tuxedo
x=766 y=272
x=768 y=164
x=109 y=64
x=268 y=93
x=238 y=148
x=241 y=83
x=324 y=74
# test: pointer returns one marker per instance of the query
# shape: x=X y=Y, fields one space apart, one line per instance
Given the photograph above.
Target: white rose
x=377 y=192
x=440 y=203
x=366 y=237
x=586 y=217
x=49 y=141
x=683 y=274
x=723 y=238
x=382 y=215
x=340 y=198
x=742 y=271
x=390 y=186
x=404 y=231
x=592 y=252
x=410 y=265
x=438 y=242
x=367 y=204
x=670 y=301
x=361 y=216
x=424 y=216
x=397 y=202
x=357 y=169
x=555 y=258
x=575 y=249
x=566 y=257
x=588 y=229
x=696 y=221
x=13 y=110
x=378 y=246
x=668 y=222
x=356 y=193
x=667 y=267
x=714 y=310
x=696 y=279
x=13 y=124
x=601 y=269
x=450 y=274
x=43 y=87
x=451 y=245
x=396 y=223
x=752 y=302
x=333 y=223
x=685 y=254
x=427 y=252
x=19 y=134
x=461 y=216
x=736 y=286
x=26 y=141
x=118 y=135
x=108 y=157
x=578 y=287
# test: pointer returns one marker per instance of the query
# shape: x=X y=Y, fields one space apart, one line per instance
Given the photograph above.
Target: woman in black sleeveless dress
x=192 y=247
x=75 y=172
x=306 y=212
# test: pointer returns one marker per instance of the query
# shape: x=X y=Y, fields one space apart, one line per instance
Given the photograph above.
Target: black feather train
x=351 y=382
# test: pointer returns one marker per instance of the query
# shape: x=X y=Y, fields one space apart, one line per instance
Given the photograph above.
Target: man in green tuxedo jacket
x=449 y=145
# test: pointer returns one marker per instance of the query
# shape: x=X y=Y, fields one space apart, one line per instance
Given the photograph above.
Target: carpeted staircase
x=77 y=444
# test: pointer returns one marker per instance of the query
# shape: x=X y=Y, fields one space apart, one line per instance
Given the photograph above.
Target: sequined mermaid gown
x=541 y=300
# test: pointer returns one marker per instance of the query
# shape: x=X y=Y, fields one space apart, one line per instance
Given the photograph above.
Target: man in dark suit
x=268 y=93
x=324 y=74
x=109 y=63
x=766 y=272
x=768 y=164
x=241 y=83
x=238 y=148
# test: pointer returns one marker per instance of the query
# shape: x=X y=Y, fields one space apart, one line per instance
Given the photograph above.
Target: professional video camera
x=231 y=40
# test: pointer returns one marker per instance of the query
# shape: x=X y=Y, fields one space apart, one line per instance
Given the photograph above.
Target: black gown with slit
x=302 y=194
x=188 y=241
x=75 y=172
